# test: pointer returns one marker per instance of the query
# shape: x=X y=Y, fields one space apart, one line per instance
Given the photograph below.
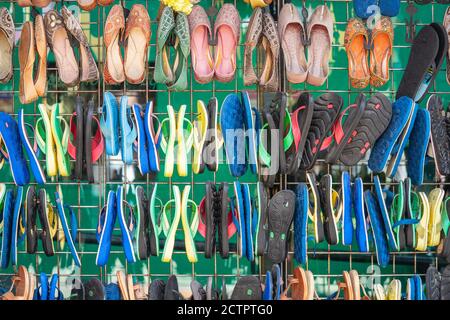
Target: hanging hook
x=306 y=41
x=212 y=12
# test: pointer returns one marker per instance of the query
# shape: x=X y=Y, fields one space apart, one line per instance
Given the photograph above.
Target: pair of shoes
x=114 y=208
x=175 y=131
x=172 y=32
x=226 y=34
x=437 y=283
x=48 y=290
x=393 y=292
x=272 y=287
x=89 y=5
x=134 y=34
x=86 y=144
x=32 y=40
x=414 y=290
x=200 y=293
x=52 y=137
x=215 y=217
x=64 y=32
x=240 y=125
x=292 y=32
x=351 y=286
x=147 y=138
x=7 y=44
x=117 y=119
x=37 y=204
x=207 y=137
x=262 y=31
x=33 y=3
x=160 y=290
x=367 y=8
x=359 y=43
x=129 y=290
x=23 y=284
x=301 y=286
x=247 y=288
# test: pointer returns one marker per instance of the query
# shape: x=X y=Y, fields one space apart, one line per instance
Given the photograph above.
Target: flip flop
x=316 y=214
x=402 y=111
x=252 y=133
x=212 y=141
x=48 y=221
x=268 y=287
x=190 y=224
x=261 y=207
x=198 y=292
x=31 y=216
x=31 y=151
x=16 y=236
x=76 y=148
x=142 y=145
x=346 y=286
x=394 y=291
x=417 y=147
x=238 y=207
x=170 y=227
x=422 y=226
x=126 y=225
x=184 y=142
x=54 y=293
x=21 y=286
x=156 y=290
x=200 y=128
x=280 y=215
x=286 y=144
x=276 y=279
x=171 y=291
x=433 y=283
x=362 y=238
x=331 y=214
x=346 y=204
x=109 y=123
x=95 y=290
x=169 y=147
x=248 y=212
x=41 y=292
x=152 y=137
x=427 y=55
x=128 y=131
x=371 y=125
x=385 y=214
x=412 y=201
x=9 y=133
x=445 y=284
x=155 y=226
x=106 y=221
x=142 y=225
x=445 y=216
x=247 y=288
x=389 y=8
x=418 y=287
x=122 y=283
x=435 y=199
x=397 y=214
x=61 y=139
x=326 y=110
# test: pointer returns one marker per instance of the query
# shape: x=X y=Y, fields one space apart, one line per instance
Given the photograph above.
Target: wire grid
x=326 y=262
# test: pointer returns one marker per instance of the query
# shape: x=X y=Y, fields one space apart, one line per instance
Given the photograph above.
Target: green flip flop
x=44 y=139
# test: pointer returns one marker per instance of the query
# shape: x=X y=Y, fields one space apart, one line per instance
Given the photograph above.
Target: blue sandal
x=106 y=221
x=109 y=124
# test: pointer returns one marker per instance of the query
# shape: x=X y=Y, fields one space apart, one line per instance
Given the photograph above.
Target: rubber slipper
x=326 y=110
x=48 y=220
x=126 y=225
x=280 y=215
x=373 y=122
x=67 y=233
x=402 y=110
x=422 y=226
x=346 y=286
x=41 y=292
x=247 y=288
x=15 y=228
x=288 y=151
x=171 y=291
x=445 y=216
x=106 y=222
x=189 y=223
x=200 y=128
x=54 y=293
x=397 y=214
x=261 y=207
x=418 y=287
x=433 y=284
x=315 y=212
x=412 y=201
x=77 y=292
x=385 y=214
x=95 y=290
x=9 y=133
x=446 y=24
x=8 y=211
x=248 y=213
x=440 y=141
x=417 y=147
x=394 y=291
x=344 y=128
x=156 y=290
x=209 y=232
x=299 y=285
x=301 y=121
x=31 y=151
x=31 y=217
x=170 y=227
x=94 y=146
x=184 y=143
x=109 y=123
x=361 y=228
x=154 y=221
x=346 y=204
x=61 y=139
x=131 y=287
x=435 y=198
x=198 y=292
x=153 y=137
x=378 y=292
x=142 y=225
x=239 y=208
x=330 y=213
x=427 y=55
x=213 y=137
x=276 y=280
x=378 y=230
x=445 y=284
x=268 y=287
x=127 y=130
x=169 y=147
x=142 y=145
x=252 y=133
x=76 y=144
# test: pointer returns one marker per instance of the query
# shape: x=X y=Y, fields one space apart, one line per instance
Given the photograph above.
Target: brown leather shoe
x=40 y=78
x=6 y=45
x=271 y=45
x=58 y=40
x=252 y=39
x=87 y=5
x=89 y=70
x=27 y=91
x=137 y=38
x=113 y=70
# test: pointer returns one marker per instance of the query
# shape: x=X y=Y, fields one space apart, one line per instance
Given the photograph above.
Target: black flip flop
x=326 y=111
x=427 y=55
x=346 y=129
x=223 y=221
x=373 y=122
x=95 y=290
x=88 y=141
x=198 y=292
x=143 y=241
x=319 y=231
x=433 y=283
x=156 y=290
x=301 y=121
x=445 y=283
x=46 y=238
x=280 y=215
x=261 y=237
x=247 y=288
x=440 y=141
x=31 y=216
x=210 y=239
x=409 y=228
x=326 y=200
x=79 y=143
x=171 y=291
x=210 y=151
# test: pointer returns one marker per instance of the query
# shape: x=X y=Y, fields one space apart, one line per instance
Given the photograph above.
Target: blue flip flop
x=418 y=288
x=401 y=111
x=411 y=289
x=233 y=130
x=377 y=226
x=152 y=138
x=41 y=292
x=109 y=124
x=268 y=288
x=276 y=279
x=143 y=162
x=105 y=227
x=346 y=200
x=18 y=212
x=69 y=235
x=301 y=223
x=8 y=211
x=389 y=8
x=248 y=221
x=239 y=219
x=9 y=133
x=36 y=168
x=127 y=238
x=362 y=238
x=385 y=214
x=128 y=132
x=251 y=132
x=54 y=293
x=418 y=145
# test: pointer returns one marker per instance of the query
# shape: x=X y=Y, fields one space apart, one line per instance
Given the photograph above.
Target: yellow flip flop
x=200 y=128
x=422 y=226
x=394 y=291
x=44 y=139
x=190 y=226
x=435 y=197
x=61 y=139
x=184 y=144
x=170 y=227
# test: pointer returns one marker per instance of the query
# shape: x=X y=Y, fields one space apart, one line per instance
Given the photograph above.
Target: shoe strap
x=296 y=127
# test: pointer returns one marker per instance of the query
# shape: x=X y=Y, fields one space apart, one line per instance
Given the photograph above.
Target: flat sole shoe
x=27 y=91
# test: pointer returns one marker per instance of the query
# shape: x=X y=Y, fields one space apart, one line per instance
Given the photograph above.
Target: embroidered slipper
x=417 y=147
x=153 y=137
x=260 y=207
x=403 y=110
x=106 y=222
x=17 y=234
x=170 y=224
x=380 y=55
x=301 y=223
x=128 y=131
x=326 y=110
x=142 y=225
x=315 y=213
x=70 y=235
x=181 y=47
x=346 y=204
x=200 y=128
x=9 y=134
x=331 y=214
x=422 y=226
x=435 y=199
x=373 y=122
x=31 y=151
x=61 y=139
x=427 y=55
x=163 y=72
x=356 y=36
x=247 y=288
x=362 y=238
x=127 y=225
x=385 y=214
x=280 y=215
x=109 y=123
